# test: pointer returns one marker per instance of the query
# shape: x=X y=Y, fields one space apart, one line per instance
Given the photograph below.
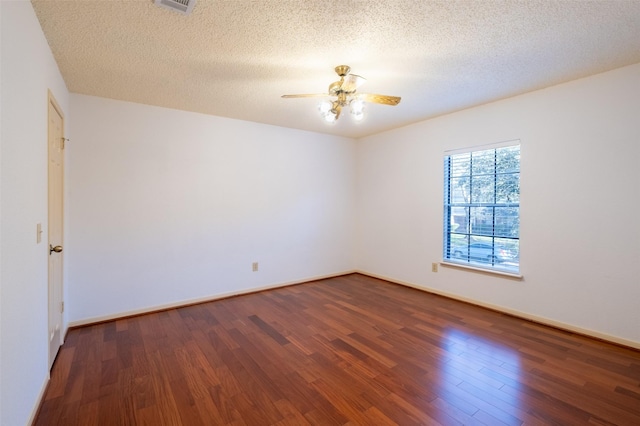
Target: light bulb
x=357 y=107
x=324 y=107
x=329 y=117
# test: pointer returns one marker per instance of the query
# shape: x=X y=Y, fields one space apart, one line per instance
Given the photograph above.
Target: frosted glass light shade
x=324 y=107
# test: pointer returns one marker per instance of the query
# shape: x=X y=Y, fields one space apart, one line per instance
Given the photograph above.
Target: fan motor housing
x=334 y=88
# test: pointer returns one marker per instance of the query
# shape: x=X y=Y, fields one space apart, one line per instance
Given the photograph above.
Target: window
x=482 y=207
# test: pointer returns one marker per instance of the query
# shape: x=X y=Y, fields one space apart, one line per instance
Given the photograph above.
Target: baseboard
x=523 y=315
x=39 y=400
x=187 y=302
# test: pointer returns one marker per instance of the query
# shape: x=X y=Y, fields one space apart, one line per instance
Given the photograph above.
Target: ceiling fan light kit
x=330 y=111
x=345 y=92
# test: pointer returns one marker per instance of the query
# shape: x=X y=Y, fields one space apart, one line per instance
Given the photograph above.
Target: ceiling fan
x=345 y=91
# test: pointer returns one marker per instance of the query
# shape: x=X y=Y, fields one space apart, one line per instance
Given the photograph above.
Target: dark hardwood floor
x=348 y=350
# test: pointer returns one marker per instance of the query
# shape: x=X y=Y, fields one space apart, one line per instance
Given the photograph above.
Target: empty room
x=282 y=212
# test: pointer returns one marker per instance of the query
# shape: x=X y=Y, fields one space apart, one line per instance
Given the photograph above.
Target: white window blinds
x=482 y=207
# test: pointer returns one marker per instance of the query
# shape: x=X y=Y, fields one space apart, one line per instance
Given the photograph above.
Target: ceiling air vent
x=183 y=6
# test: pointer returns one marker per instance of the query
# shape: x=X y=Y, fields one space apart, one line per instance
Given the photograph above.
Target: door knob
x=57 y=249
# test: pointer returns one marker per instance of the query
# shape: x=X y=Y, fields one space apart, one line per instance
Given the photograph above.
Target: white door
x=56 y=305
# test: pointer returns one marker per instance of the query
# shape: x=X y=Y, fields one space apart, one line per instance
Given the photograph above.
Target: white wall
x=580 y=197
x=28 y=71
x=167 y=206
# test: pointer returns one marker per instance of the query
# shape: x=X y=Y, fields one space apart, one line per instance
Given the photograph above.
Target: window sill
x=505 y=274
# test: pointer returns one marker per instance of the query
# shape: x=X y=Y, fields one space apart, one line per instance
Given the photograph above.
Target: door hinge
x=61 y=307
x=64 y=140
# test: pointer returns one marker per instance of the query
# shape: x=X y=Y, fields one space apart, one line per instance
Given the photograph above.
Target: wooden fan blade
x=351 y=83
x=313 y=95
x=380 y=99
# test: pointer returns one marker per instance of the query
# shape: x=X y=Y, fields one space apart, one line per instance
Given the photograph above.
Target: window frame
x=494 y=265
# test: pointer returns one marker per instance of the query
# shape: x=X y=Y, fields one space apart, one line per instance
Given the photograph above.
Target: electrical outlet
x=434 y=267
x=254 y=266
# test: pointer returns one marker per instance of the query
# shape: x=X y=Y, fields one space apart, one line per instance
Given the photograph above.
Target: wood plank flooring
x=349 y=350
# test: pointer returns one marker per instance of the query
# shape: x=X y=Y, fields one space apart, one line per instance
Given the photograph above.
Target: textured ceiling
x=235 y=58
